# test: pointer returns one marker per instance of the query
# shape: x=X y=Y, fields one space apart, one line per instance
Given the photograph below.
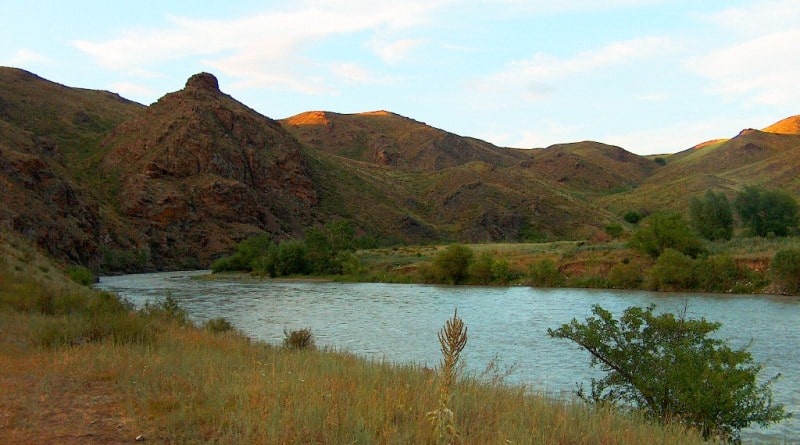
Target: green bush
x=80 y=275
x=766 y=212
x=167 y=309
x=673 y=271
x=712 y=216
x=218 y=325
x=717 y=273
x=298 y=339
x=674 y=371
x=614 y=230
x=545 y=273
x=452 y=264
x=666 y=230
x=785 y=270
x=625 y=275
x=632 y=217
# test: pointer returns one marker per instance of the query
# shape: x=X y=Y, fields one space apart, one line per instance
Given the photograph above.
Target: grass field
x=77 y=366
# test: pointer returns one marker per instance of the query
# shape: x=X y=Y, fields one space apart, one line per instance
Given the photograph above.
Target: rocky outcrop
x=199 y=171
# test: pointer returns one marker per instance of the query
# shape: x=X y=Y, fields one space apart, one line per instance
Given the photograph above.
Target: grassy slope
x=183 y=384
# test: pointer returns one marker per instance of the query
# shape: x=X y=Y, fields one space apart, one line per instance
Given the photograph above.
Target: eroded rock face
x=200 y=170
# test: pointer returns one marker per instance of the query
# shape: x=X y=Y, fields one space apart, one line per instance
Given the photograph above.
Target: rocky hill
x=112 y=184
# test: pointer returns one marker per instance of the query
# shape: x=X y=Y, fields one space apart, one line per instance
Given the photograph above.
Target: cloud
x=24 y=57
x=262 y=49
x=394 y=51
x=758 y=65
x=132 y=90
x=535 y=76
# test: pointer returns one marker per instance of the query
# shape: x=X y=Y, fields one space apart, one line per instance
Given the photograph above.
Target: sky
x=647 y=75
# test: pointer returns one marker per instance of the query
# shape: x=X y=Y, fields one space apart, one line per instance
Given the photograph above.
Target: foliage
x=665 y=230
x=452 y=264
x=711 y=216
x=766 y=212
x=785 y=270
x=166 y=309
x=81 y=275
x=672 y=370
x=545 y=273
x=718 y=273
x=452 y=340
x=245 y=255
x=625 y=275
x=286 y=258
x=671 y=272
x=218 y=325
x=660 y=161
x=614 y=230
x=298 y=339
x=632 y=217
x=485 y=269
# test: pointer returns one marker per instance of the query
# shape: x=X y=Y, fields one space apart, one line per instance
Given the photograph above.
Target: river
x=399 y=323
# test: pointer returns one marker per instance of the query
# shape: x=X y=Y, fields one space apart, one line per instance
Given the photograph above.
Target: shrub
x=614 y=230
x=673 y=371
x=218 y=325
x=480 y=271
x=545 y=273
x=671 y=272
x=717 y=273
x=785 y=270
x=80 y=275
x=666 y=230
x=712 y=216
x=632 y=217
x=625 y=275
x=766 y=212
x=452 y=264
x=298 y=339
x=167 y=309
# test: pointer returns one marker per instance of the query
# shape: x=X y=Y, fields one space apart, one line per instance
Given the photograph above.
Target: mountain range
x=99 y=180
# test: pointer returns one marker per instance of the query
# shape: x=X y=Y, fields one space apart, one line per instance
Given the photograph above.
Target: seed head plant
x=452 y=340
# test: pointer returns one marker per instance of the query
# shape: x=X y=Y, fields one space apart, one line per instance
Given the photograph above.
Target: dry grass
x=188 y=385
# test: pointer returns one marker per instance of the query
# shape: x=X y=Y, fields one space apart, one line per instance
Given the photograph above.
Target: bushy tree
x=665 y=230
x=452 y=264
x=712 y=216
x=673 y=271
x=245 y=255
x=545 y=273
x=785 y=270
x=766 y=212
x=671 y=369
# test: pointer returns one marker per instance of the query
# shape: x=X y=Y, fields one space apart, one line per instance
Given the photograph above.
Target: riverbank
x=78 y=367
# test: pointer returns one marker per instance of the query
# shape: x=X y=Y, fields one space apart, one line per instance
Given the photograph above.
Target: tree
x=673 y=371
x=665 y=230
x=452 y=264
x=712 y=216
x=785 y=270
x=766 y=212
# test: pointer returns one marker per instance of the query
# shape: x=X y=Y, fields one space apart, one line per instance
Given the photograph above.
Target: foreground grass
x=171 y=382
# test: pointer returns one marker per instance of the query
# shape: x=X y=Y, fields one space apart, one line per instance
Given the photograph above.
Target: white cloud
x=758 y=17
x=395 y=51
x=133 y=91
x=353 y=73
x=536 y=75
x=761 y=70
x=24 y=57
x=262 y=49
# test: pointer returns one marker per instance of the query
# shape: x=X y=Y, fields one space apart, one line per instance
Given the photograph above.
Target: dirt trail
x=45 y=400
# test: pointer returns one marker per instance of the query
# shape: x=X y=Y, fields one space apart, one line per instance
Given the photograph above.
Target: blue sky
x=650 y=76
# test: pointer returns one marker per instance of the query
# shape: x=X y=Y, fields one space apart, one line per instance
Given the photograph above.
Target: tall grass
x=184 y=384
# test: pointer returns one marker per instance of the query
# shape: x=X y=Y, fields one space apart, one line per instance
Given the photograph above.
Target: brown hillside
x=200 y=170
x=385 y=138
x=48 y=133
x=752 y=157
x=790 y=125
x=591 y=167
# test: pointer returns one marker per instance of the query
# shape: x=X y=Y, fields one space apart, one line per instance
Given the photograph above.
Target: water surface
x=399 y=323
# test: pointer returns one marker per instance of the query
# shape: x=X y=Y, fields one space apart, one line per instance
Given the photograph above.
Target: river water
x=508 y=325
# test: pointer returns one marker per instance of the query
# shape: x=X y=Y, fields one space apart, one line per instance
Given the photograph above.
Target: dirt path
x=45 y=399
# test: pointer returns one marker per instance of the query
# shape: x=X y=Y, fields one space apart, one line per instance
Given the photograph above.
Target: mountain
x=752 y=157
x=49 y=135
x=384 y=138
x=199 y=170
x=118 y=186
